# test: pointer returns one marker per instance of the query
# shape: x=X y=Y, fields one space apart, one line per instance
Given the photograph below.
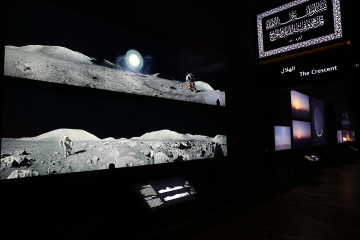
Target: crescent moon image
x=318 y=122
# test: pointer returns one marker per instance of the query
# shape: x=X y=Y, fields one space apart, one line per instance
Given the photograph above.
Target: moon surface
x=42 y=155
x=318 y=122
x=64 y=66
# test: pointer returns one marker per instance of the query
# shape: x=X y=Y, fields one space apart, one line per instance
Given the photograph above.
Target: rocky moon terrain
x=42 y=155
x=61 y=65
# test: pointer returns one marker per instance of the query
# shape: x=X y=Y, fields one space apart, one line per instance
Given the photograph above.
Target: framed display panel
x=301 y=132
x=105 y=130
x=282 y=135
x=344 y=136
x=307 y=115
x=300 y=105
x=297 y=25
x=348 y=136
x=62 y=47
x=339 y=134
x=318 y=122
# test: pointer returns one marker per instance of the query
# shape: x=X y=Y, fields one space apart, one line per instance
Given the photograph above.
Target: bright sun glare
x=134 y=60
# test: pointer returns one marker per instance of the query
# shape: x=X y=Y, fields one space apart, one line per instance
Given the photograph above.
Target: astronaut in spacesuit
x=189 y=82
x=67 y=144
x=189 y=77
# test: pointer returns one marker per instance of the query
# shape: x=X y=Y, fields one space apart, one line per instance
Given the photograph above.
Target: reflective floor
x=326 y=207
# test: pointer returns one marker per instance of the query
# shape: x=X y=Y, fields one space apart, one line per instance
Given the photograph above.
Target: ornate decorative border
x=337 y=29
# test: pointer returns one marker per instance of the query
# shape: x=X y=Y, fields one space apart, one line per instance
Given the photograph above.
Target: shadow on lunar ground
x=78 y=152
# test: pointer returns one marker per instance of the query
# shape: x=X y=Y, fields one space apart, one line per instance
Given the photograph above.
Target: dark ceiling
x=215 y=28
x=224 y=30
x=212 y=26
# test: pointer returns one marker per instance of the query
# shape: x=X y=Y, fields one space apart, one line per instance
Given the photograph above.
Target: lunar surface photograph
x=61 y=47
x=74 y=150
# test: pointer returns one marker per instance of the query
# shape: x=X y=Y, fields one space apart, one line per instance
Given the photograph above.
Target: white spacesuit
x=66 y=143
x=189 y=78
x=189 y=82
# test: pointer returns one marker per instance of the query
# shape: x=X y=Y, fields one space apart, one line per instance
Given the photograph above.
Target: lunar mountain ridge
x=82 y=135
x=62 y=65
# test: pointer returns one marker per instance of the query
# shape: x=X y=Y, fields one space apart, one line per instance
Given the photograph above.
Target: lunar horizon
x=64 y=66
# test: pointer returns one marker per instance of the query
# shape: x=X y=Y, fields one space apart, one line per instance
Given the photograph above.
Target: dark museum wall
x=222 y=30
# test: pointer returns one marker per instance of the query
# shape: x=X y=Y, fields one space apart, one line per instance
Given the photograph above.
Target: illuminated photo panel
x=318 y=122
x=75 y=50
x=298 y=24
x=339 y=134
x=301 y=134
x=348 y=136
x=46 y=131
x=300 y=105
x=282 y=137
